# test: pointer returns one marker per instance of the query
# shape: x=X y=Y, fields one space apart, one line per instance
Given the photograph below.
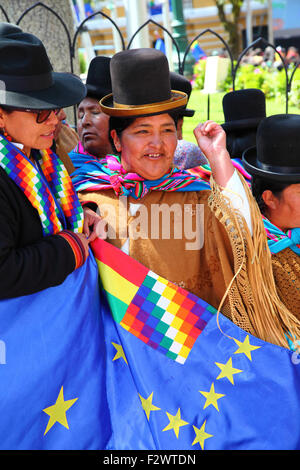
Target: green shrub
x=199 y=74
x=82 y=62
x=271 y=81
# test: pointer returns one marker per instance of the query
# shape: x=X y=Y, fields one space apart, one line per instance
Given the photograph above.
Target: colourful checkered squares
x=166 y=317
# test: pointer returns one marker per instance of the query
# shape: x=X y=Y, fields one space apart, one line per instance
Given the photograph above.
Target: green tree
x=230 y=23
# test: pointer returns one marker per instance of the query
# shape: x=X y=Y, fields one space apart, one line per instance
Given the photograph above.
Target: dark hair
x=259 y=185
x=120 y=124
x=7 y=109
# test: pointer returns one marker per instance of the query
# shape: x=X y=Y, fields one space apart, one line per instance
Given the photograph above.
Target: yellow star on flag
x=245 y=347
x=201 y=435
x=227 y=370
x=120 y=352
x=57 y=412
x=211 y=397
x=147 y=405
x=175 y=422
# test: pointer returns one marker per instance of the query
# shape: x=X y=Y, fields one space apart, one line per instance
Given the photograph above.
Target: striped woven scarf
x=109 y=174
x=204 y=171
x=279 y=240
x=48 y=187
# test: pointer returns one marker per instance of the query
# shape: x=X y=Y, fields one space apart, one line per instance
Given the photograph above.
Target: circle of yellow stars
x=227 y=371
x=57 y=412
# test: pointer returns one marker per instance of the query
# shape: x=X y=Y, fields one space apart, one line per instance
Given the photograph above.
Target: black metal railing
x=71 y=41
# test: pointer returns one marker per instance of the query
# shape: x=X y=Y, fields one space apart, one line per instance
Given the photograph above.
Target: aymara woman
x=47 y=204
x=203 y=240
x=92 y=123
x=49 y=296
x=274 y=166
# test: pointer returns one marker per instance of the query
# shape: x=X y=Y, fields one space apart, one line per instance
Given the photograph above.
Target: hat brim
x=188 y=112
x=251 y=165
x=178 y=100
x=241 y=124
x=67 y=90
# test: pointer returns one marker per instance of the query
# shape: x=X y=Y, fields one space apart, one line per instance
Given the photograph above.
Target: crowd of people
x=56 y=181
x=272 y=58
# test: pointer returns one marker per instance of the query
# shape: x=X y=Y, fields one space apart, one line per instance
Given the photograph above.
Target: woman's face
x=92 y=127
x=22 y=127
x=147 y=146
x=284 y=210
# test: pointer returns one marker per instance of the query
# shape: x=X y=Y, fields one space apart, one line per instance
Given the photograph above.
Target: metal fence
x=181 y=63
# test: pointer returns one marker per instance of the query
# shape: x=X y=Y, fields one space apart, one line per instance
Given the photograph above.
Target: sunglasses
x=41 y=115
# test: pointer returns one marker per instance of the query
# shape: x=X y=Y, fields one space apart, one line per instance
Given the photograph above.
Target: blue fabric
x=292 y=241
x=79 y=159
x=259 y=410
x=50 y=340
x=197 y=52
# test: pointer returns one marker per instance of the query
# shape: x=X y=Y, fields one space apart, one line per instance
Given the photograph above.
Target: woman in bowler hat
x=141 y=176
x=49 y=292
x=92 y=123
x=274 y=163
x=41 y=219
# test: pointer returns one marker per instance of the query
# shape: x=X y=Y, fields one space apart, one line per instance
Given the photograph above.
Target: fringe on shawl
x=254 y=303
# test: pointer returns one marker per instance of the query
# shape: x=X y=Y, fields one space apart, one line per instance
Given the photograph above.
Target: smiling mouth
x=153 y=156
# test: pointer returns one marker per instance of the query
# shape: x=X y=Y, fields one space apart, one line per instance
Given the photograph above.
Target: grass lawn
x=199 y=102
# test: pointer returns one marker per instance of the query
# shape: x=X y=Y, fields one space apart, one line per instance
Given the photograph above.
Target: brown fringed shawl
x=255 y=305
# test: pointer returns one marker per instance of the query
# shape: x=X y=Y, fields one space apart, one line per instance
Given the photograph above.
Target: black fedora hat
x=141 y=85
x=26 y=75
x=243 y=109
x=277 y=153
x=98 y=81
x=180 y=82
x=9 y=28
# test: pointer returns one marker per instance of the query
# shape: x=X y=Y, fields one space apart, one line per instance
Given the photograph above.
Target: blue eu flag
x=52 y=369
x=233 y=392
x=72 y=378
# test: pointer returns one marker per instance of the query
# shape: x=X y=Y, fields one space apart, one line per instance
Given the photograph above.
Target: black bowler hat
x=243 y=109
x=141 y=85
x=27 y=79
x=180 y=82
x=238 y=141
x=98 y=82
x=277 y=153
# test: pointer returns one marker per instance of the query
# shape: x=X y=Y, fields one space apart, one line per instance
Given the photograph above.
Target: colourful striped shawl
x=48 y=187
x=204 y=171
x=98 y=175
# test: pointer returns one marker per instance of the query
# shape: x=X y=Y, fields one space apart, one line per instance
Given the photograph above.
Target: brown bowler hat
x=141 y=85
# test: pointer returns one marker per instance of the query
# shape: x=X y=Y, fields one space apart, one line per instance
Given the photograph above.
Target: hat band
x=27 y=82
x=178 y=100
x=286 y=170
x=137 y=106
